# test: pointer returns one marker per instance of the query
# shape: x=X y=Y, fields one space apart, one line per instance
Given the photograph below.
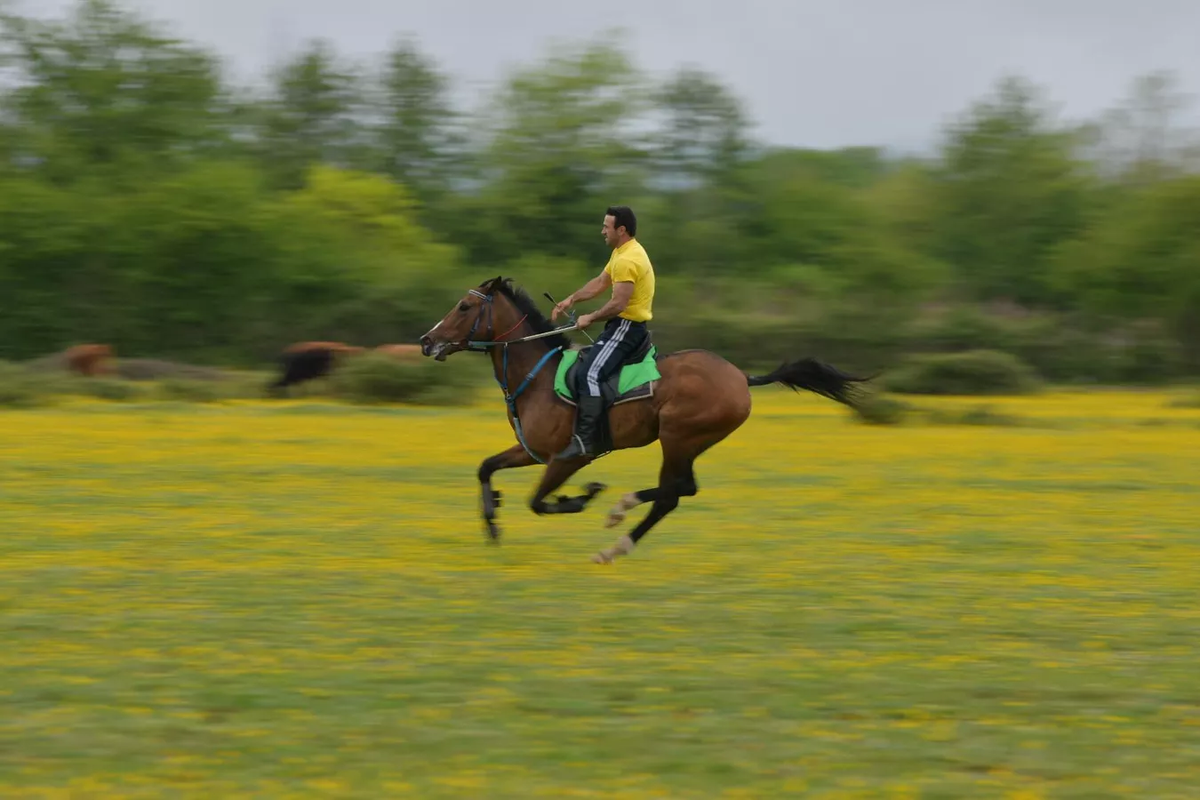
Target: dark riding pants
x=615 y=344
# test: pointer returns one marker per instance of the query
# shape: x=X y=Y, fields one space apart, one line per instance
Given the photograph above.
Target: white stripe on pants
x=606 y=351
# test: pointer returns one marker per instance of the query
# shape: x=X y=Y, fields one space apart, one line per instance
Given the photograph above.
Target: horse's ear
x=493 y=284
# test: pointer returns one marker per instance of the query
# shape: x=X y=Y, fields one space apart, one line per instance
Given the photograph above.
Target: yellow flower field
x=296 y=599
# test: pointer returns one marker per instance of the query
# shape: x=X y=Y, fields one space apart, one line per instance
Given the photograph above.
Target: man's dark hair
x=623 y=216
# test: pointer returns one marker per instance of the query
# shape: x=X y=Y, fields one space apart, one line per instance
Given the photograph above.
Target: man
x=631 y=277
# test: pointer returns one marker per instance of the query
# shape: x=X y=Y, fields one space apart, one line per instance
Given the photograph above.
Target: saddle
x=634 y=380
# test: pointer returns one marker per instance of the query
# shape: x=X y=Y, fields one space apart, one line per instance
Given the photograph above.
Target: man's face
x=609 y=230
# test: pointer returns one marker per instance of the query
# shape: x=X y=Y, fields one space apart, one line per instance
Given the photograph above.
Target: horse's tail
x=815 y=376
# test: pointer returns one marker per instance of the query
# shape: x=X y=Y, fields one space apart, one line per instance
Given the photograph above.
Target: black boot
x=583 y=443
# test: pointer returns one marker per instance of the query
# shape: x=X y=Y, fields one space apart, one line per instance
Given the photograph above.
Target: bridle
x=481 y=345
x=469 y=343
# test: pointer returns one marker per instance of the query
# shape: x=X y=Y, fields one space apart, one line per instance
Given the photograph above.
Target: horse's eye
x=463 y=307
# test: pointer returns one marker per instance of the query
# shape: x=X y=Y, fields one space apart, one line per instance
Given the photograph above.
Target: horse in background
x=306 y=361
x=90 y=360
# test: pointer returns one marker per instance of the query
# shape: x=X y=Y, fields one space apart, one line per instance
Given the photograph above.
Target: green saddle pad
x=630 y=377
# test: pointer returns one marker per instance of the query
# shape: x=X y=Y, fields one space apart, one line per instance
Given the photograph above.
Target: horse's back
x=699 y=384
x=700 y=362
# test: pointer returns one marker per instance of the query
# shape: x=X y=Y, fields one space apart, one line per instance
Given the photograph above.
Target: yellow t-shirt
x=629 y=263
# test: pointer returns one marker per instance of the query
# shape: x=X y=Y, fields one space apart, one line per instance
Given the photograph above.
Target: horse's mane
x=533 y=314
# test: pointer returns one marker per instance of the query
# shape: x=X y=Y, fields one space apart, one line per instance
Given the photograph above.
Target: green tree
x=1140 y=141
x=313 y=116
x=695 y=153
x=1141 y=261
x=1008 y=192
x=46 y=291
x=417 y=139
x=561 y=143
x=358 y=264
x=703 y=130
x=904 y=201
x=104 y=90
x=831 y=239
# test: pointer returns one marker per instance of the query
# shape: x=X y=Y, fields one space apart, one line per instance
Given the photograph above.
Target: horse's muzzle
x=439 y=350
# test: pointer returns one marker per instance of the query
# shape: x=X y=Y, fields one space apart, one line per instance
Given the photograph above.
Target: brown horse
x=700 y=399
x=335 y=347
x=89 y=360
x=306 y=361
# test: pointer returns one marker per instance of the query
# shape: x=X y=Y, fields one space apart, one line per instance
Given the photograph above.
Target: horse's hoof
x=493 y=532
x=594 y=488
x=623 y=547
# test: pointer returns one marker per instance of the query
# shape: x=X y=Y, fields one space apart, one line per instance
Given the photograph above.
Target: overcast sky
x=818 y=73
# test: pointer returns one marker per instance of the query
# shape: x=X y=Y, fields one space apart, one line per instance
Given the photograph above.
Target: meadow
x=296 y=599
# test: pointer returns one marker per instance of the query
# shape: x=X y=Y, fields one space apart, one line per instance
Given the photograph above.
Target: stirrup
x=574 y=449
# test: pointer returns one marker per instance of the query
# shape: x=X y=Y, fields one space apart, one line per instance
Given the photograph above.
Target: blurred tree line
x=148 y=202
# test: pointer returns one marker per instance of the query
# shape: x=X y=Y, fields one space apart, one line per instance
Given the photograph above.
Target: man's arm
x=622 y=292
x=589 y=290
x=592 y=288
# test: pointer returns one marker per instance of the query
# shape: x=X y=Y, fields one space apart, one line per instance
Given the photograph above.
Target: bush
x=1187 y=401
x=18 y=395
x=104 y=388
x=882 y=410
x=975 y=372
x=978 y=415
x=1147 y=354
x=151 y=369
x=247 y=385
x=193 y=391
x=962 y=329
x=757 y=344
x=377 y=378
x=17 y=389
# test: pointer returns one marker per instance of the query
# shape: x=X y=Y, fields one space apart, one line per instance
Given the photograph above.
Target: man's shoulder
x=637 y=254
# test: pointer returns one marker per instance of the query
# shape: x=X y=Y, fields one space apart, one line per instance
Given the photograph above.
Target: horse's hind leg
x=514 y=456
x=629 y=501
x=557 y=473
x=616 y=515
x=676 y=479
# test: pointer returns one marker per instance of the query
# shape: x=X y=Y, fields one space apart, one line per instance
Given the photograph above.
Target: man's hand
x=562 y=308
x=585 y=321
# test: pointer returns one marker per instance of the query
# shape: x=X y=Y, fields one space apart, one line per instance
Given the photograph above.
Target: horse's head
x=475 y=317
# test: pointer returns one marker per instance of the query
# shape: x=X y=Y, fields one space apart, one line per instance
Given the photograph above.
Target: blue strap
x=511 y=400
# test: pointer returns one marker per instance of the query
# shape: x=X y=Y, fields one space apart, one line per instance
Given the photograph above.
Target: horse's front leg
x=556 y=474
x=511 y=458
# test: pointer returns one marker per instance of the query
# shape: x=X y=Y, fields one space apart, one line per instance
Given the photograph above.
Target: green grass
x=290 y=599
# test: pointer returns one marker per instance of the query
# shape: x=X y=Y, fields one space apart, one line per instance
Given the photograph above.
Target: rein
x=510 y=399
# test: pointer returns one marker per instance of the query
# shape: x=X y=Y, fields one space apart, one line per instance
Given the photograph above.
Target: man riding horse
x=702 y=397
x=631 y=277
